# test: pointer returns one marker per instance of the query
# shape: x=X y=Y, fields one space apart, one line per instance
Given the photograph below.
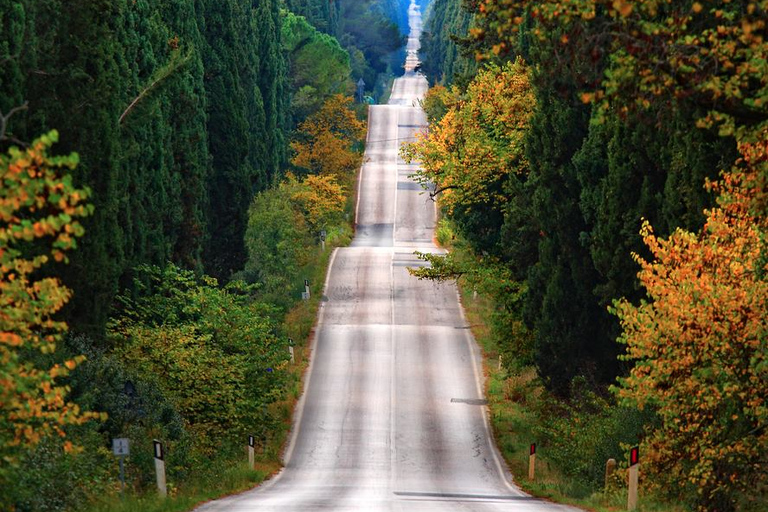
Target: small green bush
x=579 y=436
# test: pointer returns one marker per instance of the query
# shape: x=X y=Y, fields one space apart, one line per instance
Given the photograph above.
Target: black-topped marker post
x=251 y=445
x=162 y=488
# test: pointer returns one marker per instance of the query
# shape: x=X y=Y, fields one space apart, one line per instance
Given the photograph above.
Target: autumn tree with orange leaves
x=327 y=139
x=700 y=345
x=39 y=208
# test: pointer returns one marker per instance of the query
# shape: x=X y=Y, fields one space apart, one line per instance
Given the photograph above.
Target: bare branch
x=433 y=194
x=176 y=63
x=4 y=118
x=138 y=98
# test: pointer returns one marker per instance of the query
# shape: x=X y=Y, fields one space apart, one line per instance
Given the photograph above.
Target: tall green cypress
x=229 y=184
x=164 y=136
x=444 y=57
x=631 y=170
x=271 y=81
x=245 y=113
x=561 y=309
x=124 y=84
x=322 y=14
x=74 y=81
x=185 y=108
x=14 y=29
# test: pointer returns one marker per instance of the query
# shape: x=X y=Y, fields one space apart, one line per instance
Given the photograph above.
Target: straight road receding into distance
x=392 y=417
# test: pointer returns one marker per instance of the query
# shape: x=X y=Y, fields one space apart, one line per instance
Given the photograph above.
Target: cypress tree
x=152 y=95
x=243 y=118
x=74 y=81
x=560 y=308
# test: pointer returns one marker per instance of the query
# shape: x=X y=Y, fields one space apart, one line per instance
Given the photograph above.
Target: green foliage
x=366 y=29
x=277 y=240
x=318 y=66
x=446 y=59
x=138 y=408
x=437 y=102
x=443 y=233
x=244 y=90
x=322 y=15
x=283 y=234
x=212 y=351
x=78 y=477
x=477 y=150
x=580 y=435
x=561 y=309
x=177 y=109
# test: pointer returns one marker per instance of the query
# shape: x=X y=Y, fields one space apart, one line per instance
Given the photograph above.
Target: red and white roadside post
x=532 y=462
x=634 y=468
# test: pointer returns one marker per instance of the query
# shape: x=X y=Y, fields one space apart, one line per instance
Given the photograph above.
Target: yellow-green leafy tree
x=700 y=345
x=39 y=212
x=327 y=139
x=321 y=201
x=478 y=143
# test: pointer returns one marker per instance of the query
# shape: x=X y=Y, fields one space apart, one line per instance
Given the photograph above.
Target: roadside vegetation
x=194 y=363
x=152 y=277
x=602 y=185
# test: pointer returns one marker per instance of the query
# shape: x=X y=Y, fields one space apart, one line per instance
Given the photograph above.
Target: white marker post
x=251 y=444
x=532 y=463
x=162 y=488
x=322 y=239
x=305 y=295
x=291 y=351
x=121 y=448
x=634 y=469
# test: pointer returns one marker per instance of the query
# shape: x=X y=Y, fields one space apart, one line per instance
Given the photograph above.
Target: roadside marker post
x=162 y=488
x=251 y=445
x=634 y=469
x=291 y=350
x=532 y=462
x=121 y=447
x=305 y=295
x=610 y=469
x=322 y=239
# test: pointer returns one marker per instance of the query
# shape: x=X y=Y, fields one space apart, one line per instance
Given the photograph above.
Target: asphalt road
x=392 y=417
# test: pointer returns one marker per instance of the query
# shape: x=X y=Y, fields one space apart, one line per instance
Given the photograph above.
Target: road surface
x=392 y=417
